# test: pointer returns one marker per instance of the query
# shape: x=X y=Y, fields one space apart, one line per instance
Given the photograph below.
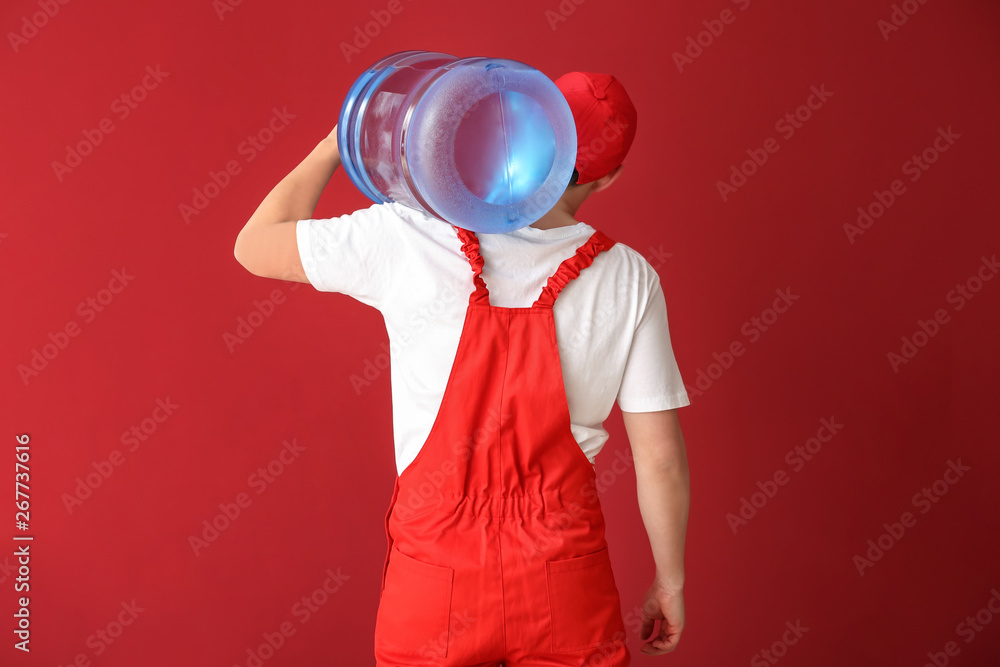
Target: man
x=508 y=351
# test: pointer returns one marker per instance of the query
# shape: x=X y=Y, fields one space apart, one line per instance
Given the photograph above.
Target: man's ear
x=605 y=181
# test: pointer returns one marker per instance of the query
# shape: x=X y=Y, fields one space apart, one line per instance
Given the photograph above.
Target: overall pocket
x=583 y=601
x=415 y=607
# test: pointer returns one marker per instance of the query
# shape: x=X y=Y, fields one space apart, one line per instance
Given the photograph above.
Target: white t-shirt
x=611 y=320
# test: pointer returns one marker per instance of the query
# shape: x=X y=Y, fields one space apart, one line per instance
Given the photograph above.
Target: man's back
x=611 y=320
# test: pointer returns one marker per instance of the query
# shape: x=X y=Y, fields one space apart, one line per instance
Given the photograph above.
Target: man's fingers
x=670 y=643
x=647 y=628
x=662 y=643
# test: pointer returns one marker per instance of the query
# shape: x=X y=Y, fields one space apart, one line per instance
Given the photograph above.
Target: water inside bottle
x=504 y=147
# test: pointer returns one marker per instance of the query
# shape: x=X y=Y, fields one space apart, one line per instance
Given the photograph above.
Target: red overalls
x=496 y=548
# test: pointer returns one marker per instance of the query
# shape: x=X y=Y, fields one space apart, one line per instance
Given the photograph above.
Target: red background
x=163 y=335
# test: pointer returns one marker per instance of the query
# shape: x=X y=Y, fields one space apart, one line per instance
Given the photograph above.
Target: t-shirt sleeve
x=652 y=381
x=353 y=254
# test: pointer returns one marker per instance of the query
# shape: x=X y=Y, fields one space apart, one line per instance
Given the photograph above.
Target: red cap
x=605 y=121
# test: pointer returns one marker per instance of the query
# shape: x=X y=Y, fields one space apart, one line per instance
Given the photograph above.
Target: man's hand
x=663 y=489
x=667 y=605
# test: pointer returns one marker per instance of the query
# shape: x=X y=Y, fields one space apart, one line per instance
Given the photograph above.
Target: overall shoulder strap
x=470 y=246
x=571 y=268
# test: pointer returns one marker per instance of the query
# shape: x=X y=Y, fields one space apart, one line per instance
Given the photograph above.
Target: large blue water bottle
x=486 y=144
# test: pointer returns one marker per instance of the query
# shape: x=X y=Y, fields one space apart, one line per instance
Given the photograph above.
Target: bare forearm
x=664 y=499
x=296 y=195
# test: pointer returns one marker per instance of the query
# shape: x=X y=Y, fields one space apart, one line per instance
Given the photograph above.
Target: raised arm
x=266 y=246
x=663 y=485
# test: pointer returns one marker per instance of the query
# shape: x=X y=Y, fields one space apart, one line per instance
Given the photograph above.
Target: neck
x=561 y=215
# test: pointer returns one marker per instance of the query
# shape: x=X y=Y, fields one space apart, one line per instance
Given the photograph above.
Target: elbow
x=237 y=254
x=241 y=254
x=670 y=465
